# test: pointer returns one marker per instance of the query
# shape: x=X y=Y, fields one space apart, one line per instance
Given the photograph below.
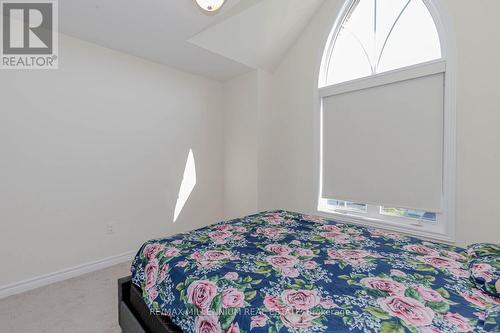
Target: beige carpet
x=86 y=304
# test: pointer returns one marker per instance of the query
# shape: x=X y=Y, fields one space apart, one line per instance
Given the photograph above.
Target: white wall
x=478 y=119
x=104 y=139
x=287 y=175
x=240 y=145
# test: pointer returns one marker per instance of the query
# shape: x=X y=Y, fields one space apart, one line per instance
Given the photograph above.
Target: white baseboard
x=68 y=273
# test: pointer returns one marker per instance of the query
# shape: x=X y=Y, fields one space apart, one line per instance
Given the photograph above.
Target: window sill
x=427 y=232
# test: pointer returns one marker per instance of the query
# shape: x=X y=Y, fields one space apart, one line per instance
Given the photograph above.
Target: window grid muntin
x=328 y=55
x=375 y=212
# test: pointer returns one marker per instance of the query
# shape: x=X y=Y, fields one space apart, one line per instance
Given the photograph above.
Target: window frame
x=444 y=228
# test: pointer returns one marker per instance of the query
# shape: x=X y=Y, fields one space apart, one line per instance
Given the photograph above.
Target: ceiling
x=259 y=36
x=243 y=35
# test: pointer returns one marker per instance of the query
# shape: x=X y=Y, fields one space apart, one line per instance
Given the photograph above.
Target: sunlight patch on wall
x=187 y=185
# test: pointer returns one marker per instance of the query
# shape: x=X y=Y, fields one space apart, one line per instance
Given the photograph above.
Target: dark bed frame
x=133 y=314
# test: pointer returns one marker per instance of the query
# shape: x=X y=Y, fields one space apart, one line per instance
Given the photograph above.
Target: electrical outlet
x=110 y=229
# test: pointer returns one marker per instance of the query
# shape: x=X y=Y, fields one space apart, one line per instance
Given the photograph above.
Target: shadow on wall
x=187 y=185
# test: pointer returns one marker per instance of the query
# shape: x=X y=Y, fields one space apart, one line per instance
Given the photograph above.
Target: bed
x=281 y=271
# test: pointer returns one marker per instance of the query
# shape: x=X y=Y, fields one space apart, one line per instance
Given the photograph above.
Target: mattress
x=281 y=271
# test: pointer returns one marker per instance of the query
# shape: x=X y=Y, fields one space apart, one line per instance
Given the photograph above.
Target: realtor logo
x=29 y=34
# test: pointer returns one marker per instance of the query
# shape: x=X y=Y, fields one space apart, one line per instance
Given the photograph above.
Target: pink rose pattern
x=259 y=321
x=232 y=298
x=408 y=309
x=273 y=304
x=151 y=273
x=286 y=272
x=201 y=293
x=271 y=232
x=421 y=249
x=354 y=258
x=458 y=321
x=171 y=252
x=207 y=324
x=281 y=262
x=384 y=284
x=300 y=299
x=278 y=249
x=151 y=250
x=298 y=320
x=429 y=294
x=234 y=328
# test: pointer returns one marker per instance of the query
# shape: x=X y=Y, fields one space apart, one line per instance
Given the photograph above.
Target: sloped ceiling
x=259 y=36
x=244 y=34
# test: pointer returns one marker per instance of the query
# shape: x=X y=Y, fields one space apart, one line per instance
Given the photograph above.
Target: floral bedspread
x=286 y=272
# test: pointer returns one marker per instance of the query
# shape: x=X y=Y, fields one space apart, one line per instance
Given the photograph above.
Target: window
x=409 y=213
x=339 y=205
x=386 y=124
x=381 y=35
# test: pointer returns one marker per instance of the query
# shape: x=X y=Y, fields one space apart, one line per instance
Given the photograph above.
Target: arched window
x=386 y=120
x=381 y=35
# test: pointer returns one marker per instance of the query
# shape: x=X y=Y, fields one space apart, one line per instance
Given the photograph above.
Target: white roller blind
x=383 y=145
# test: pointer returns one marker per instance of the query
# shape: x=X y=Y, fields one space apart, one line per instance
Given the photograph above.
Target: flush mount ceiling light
x=210 y=5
